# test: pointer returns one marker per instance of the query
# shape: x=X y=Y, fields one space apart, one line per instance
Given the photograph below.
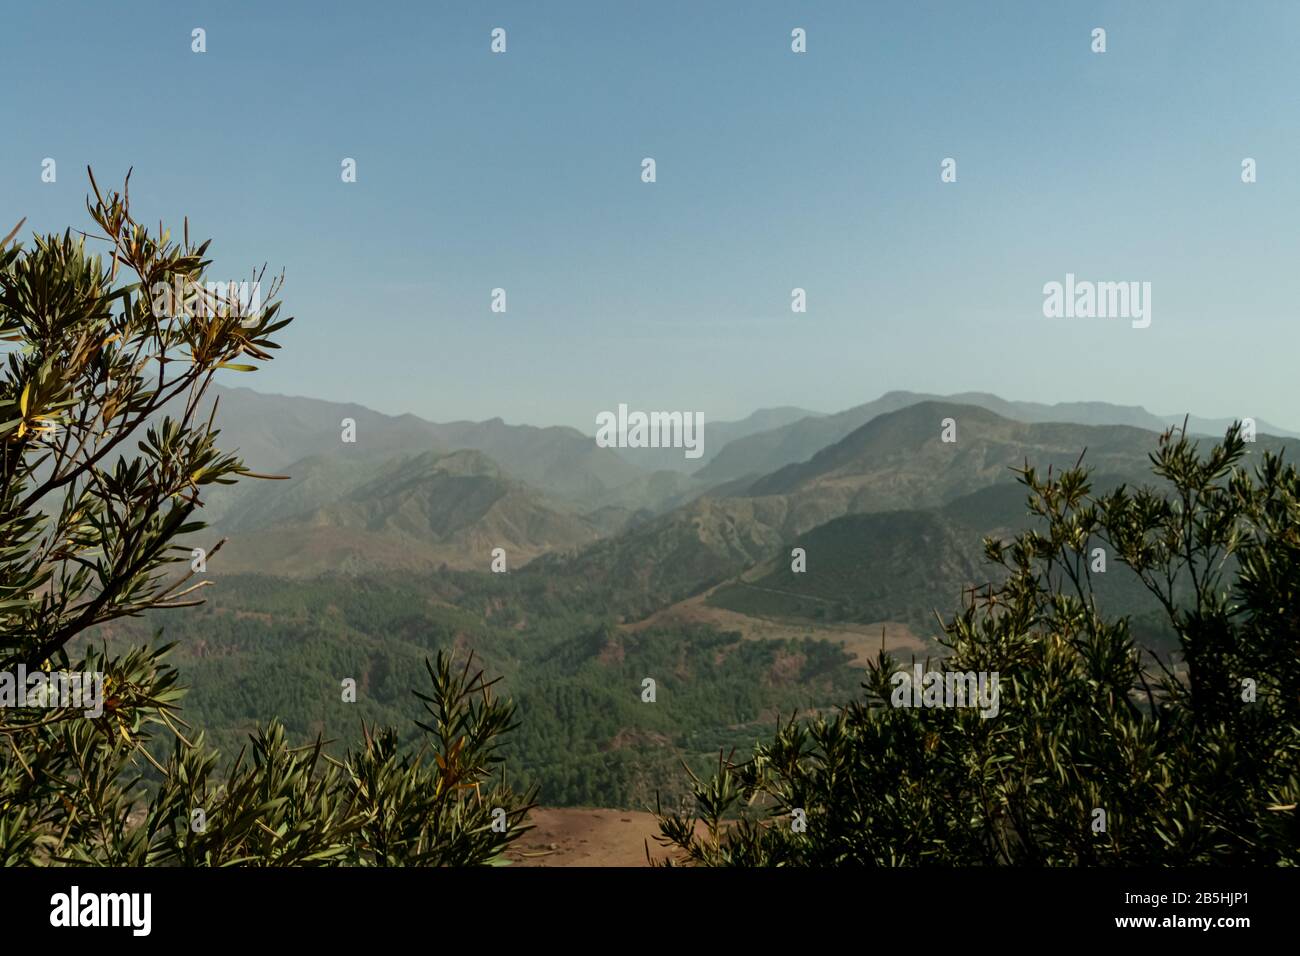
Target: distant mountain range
x=415 y=495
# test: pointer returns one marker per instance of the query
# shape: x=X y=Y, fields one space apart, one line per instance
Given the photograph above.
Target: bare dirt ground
x=575 y=836
x=862 y=641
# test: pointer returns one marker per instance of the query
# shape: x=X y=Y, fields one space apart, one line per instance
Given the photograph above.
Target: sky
x=775 y=170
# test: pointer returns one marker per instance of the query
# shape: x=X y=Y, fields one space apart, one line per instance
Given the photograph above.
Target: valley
x=373 y=556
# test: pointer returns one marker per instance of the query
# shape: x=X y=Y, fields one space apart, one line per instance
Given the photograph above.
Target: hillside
x=890 y=566
x=289 y=435
x=416 y=513
x=903 y=566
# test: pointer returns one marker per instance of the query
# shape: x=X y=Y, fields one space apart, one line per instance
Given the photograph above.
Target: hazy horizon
x=589 y=427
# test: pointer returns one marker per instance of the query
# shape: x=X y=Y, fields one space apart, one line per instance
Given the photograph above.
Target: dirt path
x=576 y=836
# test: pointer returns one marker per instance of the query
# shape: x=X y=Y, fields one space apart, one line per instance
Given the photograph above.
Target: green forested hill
x=264 y=647
x=890 y=566
x=903 y=566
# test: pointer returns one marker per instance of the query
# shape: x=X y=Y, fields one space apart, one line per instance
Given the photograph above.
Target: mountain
x=902 y=566
x=302 y=438
x=272 y=431
x=417 y=513
x=717 y=435
x=899 y=460
x=312 y=482
x=557 y=460
x=896 y=462
x=798 y=441
x=767 y=451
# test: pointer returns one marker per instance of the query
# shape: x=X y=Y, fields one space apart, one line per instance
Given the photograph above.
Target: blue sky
x=775 y=170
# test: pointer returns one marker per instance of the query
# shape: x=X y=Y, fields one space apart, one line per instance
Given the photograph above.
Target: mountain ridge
x=764 y=452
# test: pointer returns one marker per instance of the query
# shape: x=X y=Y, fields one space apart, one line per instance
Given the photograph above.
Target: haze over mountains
x=275 y=431
x=409 y=513
x=415 y=495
